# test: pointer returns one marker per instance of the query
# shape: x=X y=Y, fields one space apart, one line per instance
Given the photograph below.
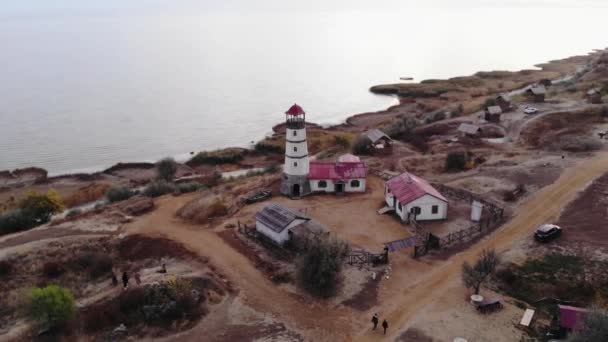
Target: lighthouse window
x=295 y=149
x=295 y=133
x=295 y=163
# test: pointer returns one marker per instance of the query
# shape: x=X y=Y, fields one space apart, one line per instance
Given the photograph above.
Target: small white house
x=413 y=197
x=348 y=174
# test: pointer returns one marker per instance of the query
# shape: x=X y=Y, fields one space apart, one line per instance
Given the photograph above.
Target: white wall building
x=278 y=223
x=348 y=174
x=413 y=197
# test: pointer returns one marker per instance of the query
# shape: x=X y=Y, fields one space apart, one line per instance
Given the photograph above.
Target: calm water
x=81 y=92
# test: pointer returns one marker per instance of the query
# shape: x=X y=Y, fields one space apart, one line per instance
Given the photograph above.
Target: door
x=339 y=187
x=296 y=190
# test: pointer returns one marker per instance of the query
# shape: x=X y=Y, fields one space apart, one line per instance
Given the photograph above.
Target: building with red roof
x=413 y=197
x=348 y=174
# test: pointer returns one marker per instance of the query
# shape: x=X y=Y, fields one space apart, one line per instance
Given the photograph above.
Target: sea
x=84 y=87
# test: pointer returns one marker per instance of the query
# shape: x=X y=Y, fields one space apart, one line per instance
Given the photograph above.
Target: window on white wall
x=295 y=163
x=322 y=184
x=355 y=183
x=295 y=149
x=416 y=210
x=295 y=133
x=435 y=209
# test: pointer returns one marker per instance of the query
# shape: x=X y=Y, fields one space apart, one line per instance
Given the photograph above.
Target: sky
x=99 y=6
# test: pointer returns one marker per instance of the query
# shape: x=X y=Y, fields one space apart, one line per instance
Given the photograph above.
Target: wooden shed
x=594 y=96
x=504 y=102
x=536 y=93
x=492 y=113
x=380 y=141
x=468 y=130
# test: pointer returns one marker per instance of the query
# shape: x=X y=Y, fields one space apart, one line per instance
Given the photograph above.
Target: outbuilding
x=504 y=102
x=379 y=141
x=281 y=224
x=468 y=130
x=492 y=113
x=413 y=197
x=594 y=96
x=348 y=174
x=536 y=93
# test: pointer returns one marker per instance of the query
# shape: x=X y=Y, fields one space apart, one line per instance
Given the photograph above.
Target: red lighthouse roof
x=295 y=110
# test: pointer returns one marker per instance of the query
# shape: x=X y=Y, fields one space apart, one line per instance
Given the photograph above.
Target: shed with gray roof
x=277 y=223
x=537 y=93
x=469 y=130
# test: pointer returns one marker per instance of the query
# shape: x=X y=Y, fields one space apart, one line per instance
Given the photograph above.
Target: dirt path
x=544 y=206
x=256 y=290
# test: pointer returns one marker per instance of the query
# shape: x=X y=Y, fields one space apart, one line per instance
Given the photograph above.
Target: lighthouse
x=295 y=172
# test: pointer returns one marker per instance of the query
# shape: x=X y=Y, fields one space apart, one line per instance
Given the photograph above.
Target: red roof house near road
x=571 y=316
x=337 y=171
x=407 y=187
x=295 y=110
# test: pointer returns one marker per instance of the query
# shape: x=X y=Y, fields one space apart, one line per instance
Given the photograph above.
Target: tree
x=42 y=207
x=51 y=306
x=594 y=327
x=474 y=276
x=318 y=269
x=166 y=169
x=361 y=145
x=118 y=193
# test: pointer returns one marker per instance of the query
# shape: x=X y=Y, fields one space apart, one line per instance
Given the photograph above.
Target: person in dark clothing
x=125 y=280
x=375 y=321
x=385 y=326
x=114 y=279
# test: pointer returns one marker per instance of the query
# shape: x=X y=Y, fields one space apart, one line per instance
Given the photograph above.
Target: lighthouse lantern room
x=295 y=172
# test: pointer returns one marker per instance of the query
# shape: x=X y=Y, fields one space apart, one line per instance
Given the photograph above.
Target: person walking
x=375 y=321
x=385 y=326
x=125 y=280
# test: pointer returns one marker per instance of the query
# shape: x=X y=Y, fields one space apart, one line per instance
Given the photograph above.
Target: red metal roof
x=337 y=171
x=407 y=187
x=295 y=110
x=570 y=316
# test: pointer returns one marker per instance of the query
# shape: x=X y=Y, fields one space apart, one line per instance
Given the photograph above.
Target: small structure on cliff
x=536 y=93
x=492 y=113
x=504 y=102
x=380 y=141
x=594 y=96
x=281 y=224
x=468 y=130
x=302 y=177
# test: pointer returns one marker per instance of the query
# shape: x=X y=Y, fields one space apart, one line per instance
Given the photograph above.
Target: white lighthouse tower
x=295 y=172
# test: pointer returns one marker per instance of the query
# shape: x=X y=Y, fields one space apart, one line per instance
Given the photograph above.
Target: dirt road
x=543 y=206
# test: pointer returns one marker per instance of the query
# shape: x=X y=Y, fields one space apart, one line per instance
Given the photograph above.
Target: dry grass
x=86 y=194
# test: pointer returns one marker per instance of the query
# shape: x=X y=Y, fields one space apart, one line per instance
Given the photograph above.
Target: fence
x=251 y=233
x=364 y=257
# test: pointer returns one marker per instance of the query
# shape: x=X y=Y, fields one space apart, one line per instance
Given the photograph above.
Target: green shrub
x=166 y=169
x=490 y=101
x=268 y=148
x=158 y=188
x=361 y=145
x=6 y=268
x=435 y=116
x=604 y=112
x=318 y=268
x=594 y=327
x=42 y=207
x=118 y=193
x=455 y=161
x=272 y=168
x=402 y=128
x=17 y=220
x=51 y=306
x=73 y=213
x=342 y=141
x=187 y=187
x=215 y=158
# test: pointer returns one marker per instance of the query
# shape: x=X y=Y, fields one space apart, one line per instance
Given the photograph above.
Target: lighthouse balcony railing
x=295 y=124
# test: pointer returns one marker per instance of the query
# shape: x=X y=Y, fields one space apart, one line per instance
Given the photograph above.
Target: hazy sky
x=266 y=5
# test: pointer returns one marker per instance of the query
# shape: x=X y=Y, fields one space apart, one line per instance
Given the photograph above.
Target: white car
x=547 y=232
x=530 y=110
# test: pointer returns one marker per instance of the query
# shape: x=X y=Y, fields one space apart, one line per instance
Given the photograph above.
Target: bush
x=267 y=148
x=51 y=306
x=97 y=264
x=6 y=268
x=217 y=157
x=435 y=116
x=217 y=208
x=73 y=213
x=16 y=220
x=118 y=193
x=342 y=141
x=490 y=101
x=42 y=207
x=158 y=188
x=361 y=145
x=456 y=161
x=272 y=168
x=183 y=188
x=545 y=82
x=52 y=269
x=166 y=169
x=604 y=112
x=594 y=327
x=318 y=269
x=401 y=129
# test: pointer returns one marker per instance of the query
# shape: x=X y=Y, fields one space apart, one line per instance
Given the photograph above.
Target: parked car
x=547 y=232
x=530 y=110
